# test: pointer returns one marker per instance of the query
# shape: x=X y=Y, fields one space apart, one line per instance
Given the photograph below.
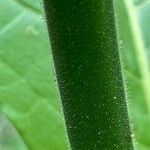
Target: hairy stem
x=85 y=50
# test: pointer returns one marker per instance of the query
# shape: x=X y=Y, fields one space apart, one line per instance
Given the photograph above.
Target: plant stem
x=86 y=57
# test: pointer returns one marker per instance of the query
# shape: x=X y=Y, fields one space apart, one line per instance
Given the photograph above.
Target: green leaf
x=9 y=137
x=133 y=28
x=28 y=96
x=28 y=99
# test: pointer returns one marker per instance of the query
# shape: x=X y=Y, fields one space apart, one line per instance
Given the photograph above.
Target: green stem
x=85 y=50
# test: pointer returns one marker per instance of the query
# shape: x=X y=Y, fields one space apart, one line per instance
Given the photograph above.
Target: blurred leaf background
x=30 y=111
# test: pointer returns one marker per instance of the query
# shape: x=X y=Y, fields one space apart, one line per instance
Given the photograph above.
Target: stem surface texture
x=86 y=57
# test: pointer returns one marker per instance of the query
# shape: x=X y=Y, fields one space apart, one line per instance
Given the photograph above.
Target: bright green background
x=30 y=112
